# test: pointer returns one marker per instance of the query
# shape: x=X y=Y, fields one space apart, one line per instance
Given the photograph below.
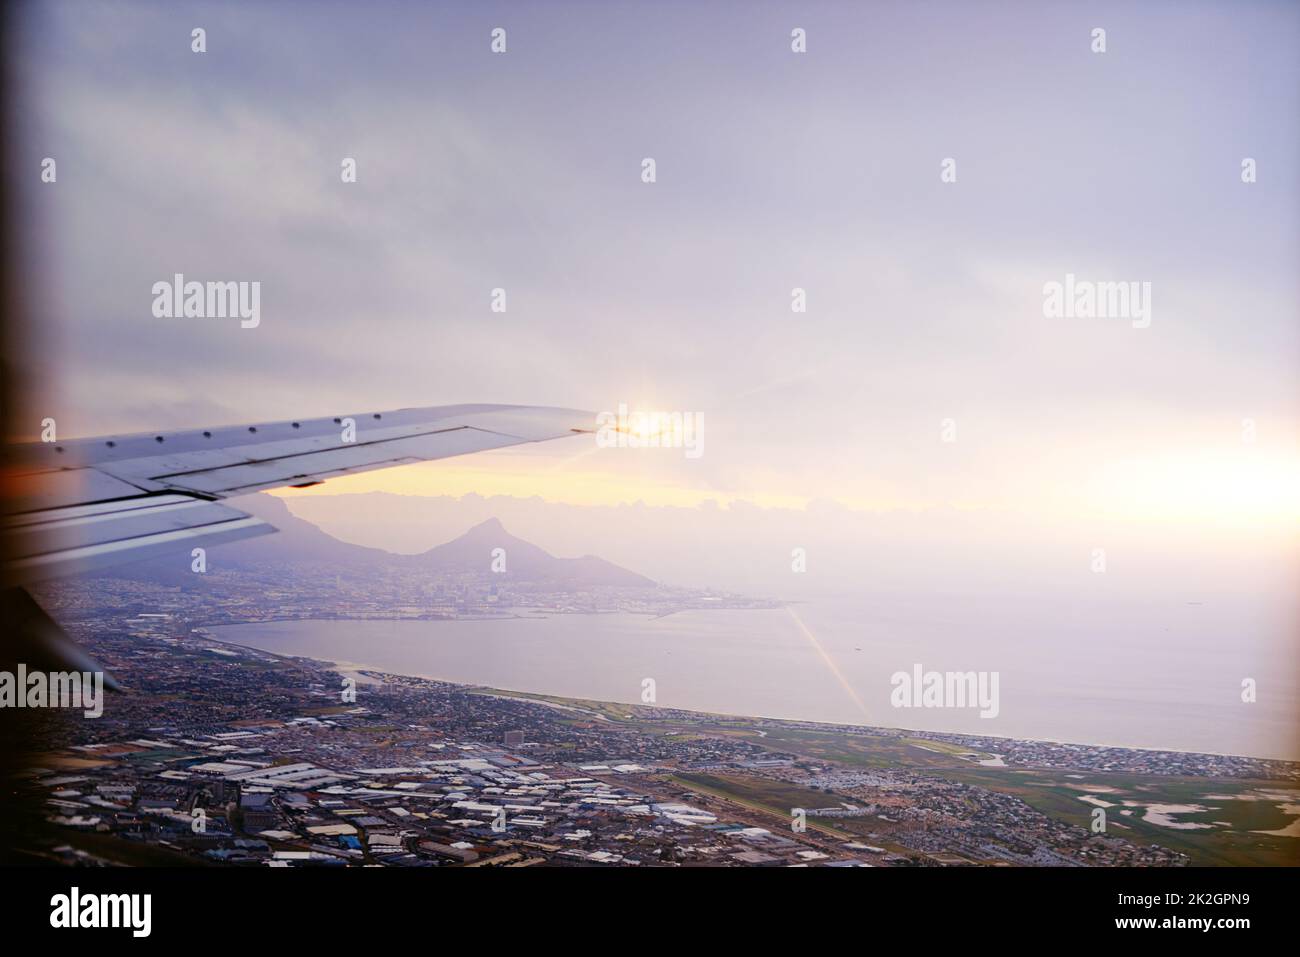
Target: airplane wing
x=87 y=504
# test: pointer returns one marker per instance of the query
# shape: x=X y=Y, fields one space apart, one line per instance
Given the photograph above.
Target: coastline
x=365 y=674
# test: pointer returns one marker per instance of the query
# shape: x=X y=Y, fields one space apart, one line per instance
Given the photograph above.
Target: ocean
x=1169 y=677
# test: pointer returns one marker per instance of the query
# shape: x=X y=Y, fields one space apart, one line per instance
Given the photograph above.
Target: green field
x=780 y=798
x=1234 y=845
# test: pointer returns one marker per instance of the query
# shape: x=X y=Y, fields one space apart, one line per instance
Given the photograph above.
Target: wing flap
x=66 y=541
x=327 y=461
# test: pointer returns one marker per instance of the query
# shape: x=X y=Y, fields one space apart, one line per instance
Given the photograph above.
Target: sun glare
x=1212 y=486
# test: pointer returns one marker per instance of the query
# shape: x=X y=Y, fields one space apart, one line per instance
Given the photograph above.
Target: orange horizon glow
x=1196 y=487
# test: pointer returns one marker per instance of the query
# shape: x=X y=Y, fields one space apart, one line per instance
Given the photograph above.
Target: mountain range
x=299 y=543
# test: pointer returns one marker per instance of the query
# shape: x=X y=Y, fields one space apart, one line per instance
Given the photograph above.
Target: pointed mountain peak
x=492 y=525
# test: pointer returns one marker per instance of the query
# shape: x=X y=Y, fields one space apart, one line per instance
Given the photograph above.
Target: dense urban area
x=221 y=754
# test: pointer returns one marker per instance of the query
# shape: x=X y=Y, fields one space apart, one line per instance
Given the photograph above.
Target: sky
x=775 y=170
x=925 y=427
